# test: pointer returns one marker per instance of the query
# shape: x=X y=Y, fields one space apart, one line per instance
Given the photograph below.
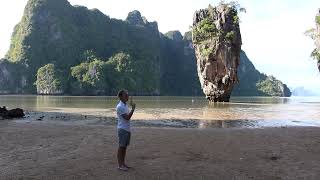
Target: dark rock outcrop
x=135 y=18
x=11 y=77
x=178 y=65
x=217 y=41
x=174 y=35
x=13 y=113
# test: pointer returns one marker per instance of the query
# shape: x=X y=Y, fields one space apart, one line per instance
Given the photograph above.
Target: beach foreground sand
x=41 y=150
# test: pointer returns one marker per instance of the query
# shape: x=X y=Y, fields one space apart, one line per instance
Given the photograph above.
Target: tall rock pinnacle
x=217 y=42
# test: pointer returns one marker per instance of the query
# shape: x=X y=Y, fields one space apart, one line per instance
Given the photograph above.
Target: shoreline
x=151 y=119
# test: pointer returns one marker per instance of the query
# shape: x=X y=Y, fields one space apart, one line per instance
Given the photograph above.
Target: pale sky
x=272 y=30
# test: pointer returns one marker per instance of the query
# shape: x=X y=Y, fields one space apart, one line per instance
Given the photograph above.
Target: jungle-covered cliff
x=58 y=48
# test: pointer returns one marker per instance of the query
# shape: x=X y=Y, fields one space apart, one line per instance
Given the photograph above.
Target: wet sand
x=40 y=148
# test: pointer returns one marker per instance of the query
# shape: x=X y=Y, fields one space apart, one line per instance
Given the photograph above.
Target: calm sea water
x=240 y=111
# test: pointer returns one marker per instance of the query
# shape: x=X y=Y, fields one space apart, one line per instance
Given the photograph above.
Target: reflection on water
x=227 y=124
x=239 y=112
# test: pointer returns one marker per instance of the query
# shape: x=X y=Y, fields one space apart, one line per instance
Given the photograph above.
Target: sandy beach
x=52 y=150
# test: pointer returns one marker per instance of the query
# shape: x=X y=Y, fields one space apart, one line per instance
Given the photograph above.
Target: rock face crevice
x=217 y=42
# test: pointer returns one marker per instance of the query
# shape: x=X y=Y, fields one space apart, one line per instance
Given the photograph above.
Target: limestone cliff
x=55 y=32
x=217 y=42
x=130 y=52
x=11 y=77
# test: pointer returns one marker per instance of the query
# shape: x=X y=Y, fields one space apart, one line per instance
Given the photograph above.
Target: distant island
x=301 y=91
x=60 y=49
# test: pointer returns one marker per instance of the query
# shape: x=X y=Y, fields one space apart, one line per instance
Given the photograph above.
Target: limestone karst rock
x=217 y=42
x=55 y=32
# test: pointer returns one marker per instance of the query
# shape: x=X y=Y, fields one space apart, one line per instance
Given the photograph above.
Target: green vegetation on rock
x=217 y=40
x=316 y=54
x=314 y=33
x=230 y=36
x=271 y=86
x=124 y=72
x=318 y=19
x=48 y=80
x=205 y=29
x=59 y=48
x=236 y=19
x=105 y=77
x=90 y=76
x=53 y=31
